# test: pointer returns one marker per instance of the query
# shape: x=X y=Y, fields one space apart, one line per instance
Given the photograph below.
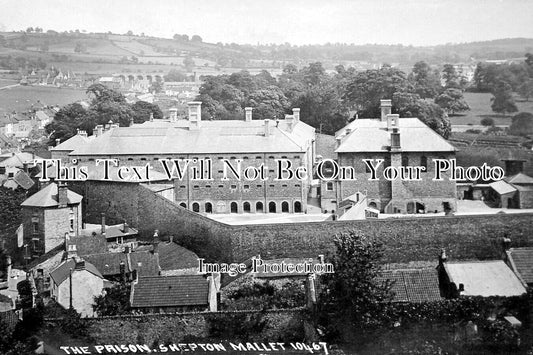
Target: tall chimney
x=102 y=229
x=393 y=121
x=125 y=227
x=62 y=192
x=296 y=114
x=99 y=130
x=386 y=109
x=248 y=114
x=151 y=116
x=173 y=114
x=58 y=141
x=195 y=114
x=155 y=241
x=395 y=140
x=267 y=127
x=290 y=121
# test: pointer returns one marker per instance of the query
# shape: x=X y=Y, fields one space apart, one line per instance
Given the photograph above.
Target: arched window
x=246 y=207
x=183 y=204
x=284 y=206
x=424 y=161
x=272 y=207
x=297 y=207
x=373 y=205
x=234 y=207
x=208 y=207
x=259 y=207
x=196 y=207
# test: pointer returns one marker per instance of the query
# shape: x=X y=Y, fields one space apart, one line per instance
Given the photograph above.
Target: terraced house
x=258 y=144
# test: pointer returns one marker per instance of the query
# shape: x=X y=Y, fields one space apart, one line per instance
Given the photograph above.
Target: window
x=220 y=186
x=284 y=185
x=233 y=207
x=233 y=187
x=208 y=186
x=283 y=157
x=424 y=161
x=329 y=186
x=196 y=187
x=246 y=187
x=208 y=207
x=245 y=158
x=182 y=186
x=246 y=207
x=405 y=160
x=258 y=157
x=183 y=204
x=259 y=207
x=271 y=157
x=284 y=206
x=270 y=185
x=297 y=207
x=272 y=207
x=296 y=185
x=196 y=207
x=259 y=186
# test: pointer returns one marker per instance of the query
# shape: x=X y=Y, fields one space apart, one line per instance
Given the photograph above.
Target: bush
x=522 y=124
x=487 y=121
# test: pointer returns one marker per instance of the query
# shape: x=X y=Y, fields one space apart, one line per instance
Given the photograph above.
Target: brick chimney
x=393 y=121
x=102 y=226
x=290 y=121
x=155 y=242
x=248 y=114
x=72 y=251
x=125 y=227
x=386 y=109
x=62 y=194
x=296 y=114
x=395 y=140
x=82 y=133
x=267 y=127
x=99 y=130
x=195 y=114
x=173 y=114
x=151 y=116
x=58 y=141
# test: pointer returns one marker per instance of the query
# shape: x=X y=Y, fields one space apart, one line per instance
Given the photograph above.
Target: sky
x=407 y=22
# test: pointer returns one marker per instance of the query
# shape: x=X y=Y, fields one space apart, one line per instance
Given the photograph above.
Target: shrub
x=487 y=121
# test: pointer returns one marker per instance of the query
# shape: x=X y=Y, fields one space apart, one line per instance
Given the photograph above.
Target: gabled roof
x=413 y=285
x=89 y=244
x=17 y=160
x=484 y=278
x=228 y=136
x=519 y=178
x=371 y=135
x=521 y=260
x=170 y=291
x=47 y=197
x=62 y=272
x=73 y=143
x=173 y=256
x=145 y=263
x=502 y=188
x=113 y=231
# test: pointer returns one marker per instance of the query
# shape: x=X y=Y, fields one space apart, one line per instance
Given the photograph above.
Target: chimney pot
x=248 y=114
x=386 y=109
x=393 y=121
x=267 y=127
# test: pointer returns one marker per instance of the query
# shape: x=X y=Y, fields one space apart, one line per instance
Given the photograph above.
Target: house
x=75 y=283
x=62 y=150
x=127 y=265
x=413 y=285
x=48 y=215
x=479 y=278
x=514 y=191
x=170 y=294
x=253 y=144
x=401 y=143
x=521 y=261
x=173 y=258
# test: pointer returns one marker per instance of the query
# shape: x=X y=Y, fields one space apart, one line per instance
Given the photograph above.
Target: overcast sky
x=416 y=22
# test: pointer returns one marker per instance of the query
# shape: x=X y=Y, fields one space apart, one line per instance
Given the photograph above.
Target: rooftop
x=62 y=272
x=47 y=197
x=521 y=260
x=413 y=285
x=519 y=178
x=170 y=291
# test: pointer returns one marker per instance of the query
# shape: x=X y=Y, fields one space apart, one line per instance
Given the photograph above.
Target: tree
x=175 y=75
x=80 y=48
x=66 y=122
x=268 y=103
x=450 y=76
x=10 y=210
x=188 y=63
x=526 y=89
x=426 y=82
x=487 y=122
x=157 y=85
x=142 y=111
x=196 y=38
x=452 y=100
x=503 y=101
x=522 y=124
x=352 y=296
x=115 y=301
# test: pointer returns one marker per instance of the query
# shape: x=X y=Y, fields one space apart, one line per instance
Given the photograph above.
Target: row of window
x=233 y=187
x=206 y=158
x=247 y=207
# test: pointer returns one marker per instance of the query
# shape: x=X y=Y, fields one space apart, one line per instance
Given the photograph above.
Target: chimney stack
x=99 y=130
x=195 y=114
x=125 y=227
x=151 y=116
x=248 y=114
x=386 y=109
x=395 y=140
x=58 y=141
x=296 y=114
x=393 y=121
x=82 y=133
x=102 y=229
x=267 y=127
x=131 y=122
x=72 y=251
x=155 y=242
x=62 y=192
x=173 y=114
x=290 y=121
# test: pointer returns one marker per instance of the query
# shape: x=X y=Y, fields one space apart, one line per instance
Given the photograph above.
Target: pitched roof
x=47 y=197
x=23 y=180
x=519 y=178
x=89 y=244
x=110 y=231
x=371 y=135
x=502 y=188
x=484 y=278
x=146 y=263
x=62 y=272
x=228 y=136
x=325 y=146
x=413 y=285
x=17 y=160
x=521 y=260
x=169 y=291
x=73 y=143
x=173 y=256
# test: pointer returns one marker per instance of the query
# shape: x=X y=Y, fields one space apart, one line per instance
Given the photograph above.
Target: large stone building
x=400 y=142
x=219 y=145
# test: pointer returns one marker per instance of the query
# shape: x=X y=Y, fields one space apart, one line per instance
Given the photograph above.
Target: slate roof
x=371 y=135
x=62 y=272
x=521 y=260
x=519 y=178
x=502 y=188
x=47 y=197
x=146 y=263
x=23 y=180
x=484 y=278
x=173 y=256
x=73 y=143
x=413 y=285
x=113 y=231
x=227 y=136
x=325 y=146
x=170 y=291
x=17 y=160
x=89 y=244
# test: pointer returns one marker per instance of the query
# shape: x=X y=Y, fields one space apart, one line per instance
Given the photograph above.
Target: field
x=20 y=98
x=480 y=108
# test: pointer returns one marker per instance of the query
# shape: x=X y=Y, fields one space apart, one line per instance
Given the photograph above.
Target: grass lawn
x=20 y=98
x=480 y=108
